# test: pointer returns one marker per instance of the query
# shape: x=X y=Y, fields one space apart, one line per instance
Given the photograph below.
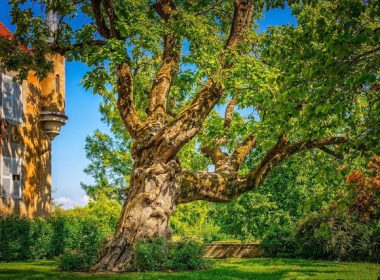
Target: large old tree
x=168 y=65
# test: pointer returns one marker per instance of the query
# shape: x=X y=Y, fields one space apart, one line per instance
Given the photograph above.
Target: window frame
x=3 y=116
x=57 y=84
x=20 y=191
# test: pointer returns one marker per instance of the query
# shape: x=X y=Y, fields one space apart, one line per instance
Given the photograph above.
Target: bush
x=24 y=238
x=41 y=239
x=331 y=236
x=153 y=255
x=279 y=241
x=150 y=255
x=186 y=255
x=73 y=260
x=15 y=238
x=373 y=254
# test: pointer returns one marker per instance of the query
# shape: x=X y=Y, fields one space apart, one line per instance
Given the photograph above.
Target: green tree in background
x=167 y=65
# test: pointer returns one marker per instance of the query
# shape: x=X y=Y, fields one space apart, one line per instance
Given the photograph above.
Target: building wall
x=29 y=142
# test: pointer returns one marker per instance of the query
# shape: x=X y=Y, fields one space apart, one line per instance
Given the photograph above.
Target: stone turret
x=52 y=100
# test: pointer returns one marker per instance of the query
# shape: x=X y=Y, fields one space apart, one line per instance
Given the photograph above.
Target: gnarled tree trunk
x=145 y=214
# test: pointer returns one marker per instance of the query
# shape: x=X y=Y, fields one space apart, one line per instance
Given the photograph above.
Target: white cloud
x=67 y=203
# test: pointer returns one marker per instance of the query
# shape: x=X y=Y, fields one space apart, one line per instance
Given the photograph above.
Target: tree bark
x=145 y=214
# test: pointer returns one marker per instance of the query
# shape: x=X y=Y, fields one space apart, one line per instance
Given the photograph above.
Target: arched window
x=57 y=84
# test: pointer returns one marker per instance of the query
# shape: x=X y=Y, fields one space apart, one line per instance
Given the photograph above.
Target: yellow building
x=31 y=116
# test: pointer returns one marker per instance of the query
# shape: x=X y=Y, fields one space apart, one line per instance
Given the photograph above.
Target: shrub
x=279 y=241
x=153 y=255
x=72 y=260
x=66 y=233
x=41 y=239
x=186 y=255
x=81 y=243
x=335 y=236
x=150 y=255
x=24 y=238
x=373 y=253
x=14 y=236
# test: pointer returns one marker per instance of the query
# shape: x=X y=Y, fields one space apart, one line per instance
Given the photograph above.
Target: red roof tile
x=4 y=31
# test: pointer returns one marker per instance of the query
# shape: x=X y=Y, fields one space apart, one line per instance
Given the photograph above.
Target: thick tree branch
x=335 y=154
x=108 y=7
x=125 y=100
x=169 y=66
x=210 y=186
x=99 y=19
x=241 y=152
x=229 y=113
x=216 y=155
x=222 y=161
x=280 y=152
x=88 y=43
x=222 y=186
x=192 y=117
x=242 y=21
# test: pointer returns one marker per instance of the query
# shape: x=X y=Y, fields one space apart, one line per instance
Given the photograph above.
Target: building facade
x=31 y=114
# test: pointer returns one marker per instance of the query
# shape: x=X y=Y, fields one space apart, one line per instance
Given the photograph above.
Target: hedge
x=24 y=238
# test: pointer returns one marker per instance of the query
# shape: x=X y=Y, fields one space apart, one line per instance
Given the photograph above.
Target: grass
x=231 y=269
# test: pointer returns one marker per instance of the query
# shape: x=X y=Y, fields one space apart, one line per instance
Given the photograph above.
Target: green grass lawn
x=259 y=268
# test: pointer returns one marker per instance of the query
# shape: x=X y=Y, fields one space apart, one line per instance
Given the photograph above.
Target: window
x=11 y=99
x=57 y=84
x=10 y=186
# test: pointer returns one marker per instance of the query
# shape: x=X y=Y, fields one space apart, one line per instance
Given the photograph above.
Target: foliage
x=110 y=162
x=22 y=238
x=194 y=220
x=186 y=255
x=82 y=230
x=73 y=260
x=279 y=241
x=365 y=194
x=41 y=240
x=84 y=246
x=103 y=210
x=291 y=191
x=346 y=228
x=332 y=236
x=153 y=255
x=150 y=255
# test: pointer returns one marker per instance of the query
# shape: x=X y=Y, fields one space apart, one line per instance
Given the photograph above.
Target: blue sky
x=82 y=108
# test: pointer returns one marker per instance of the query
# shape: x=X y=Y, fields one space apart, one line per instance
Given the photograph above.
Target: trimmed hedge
x=24 y=238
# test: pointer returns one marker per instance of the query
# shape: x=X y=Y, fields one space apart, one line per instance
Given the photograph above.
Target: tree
x=167 y=64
